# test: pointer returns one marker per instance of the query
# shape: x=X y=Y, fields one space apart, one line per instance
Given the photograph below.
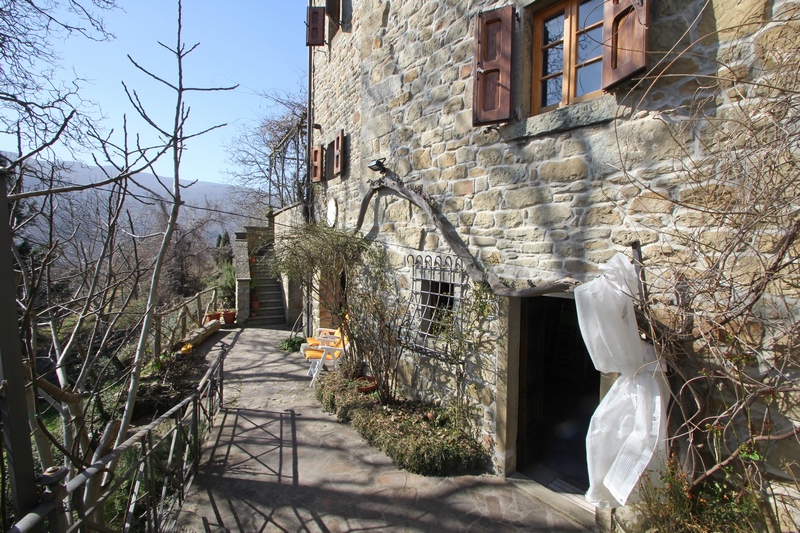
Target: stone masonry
x=540 y=198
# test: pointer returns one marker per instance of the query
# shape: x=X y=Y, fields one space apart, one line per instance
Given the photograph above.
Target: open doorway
x=559 y=389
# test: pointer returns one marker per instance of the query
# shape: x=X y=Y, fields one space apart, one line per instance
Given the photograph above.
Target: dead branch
x=473 y=268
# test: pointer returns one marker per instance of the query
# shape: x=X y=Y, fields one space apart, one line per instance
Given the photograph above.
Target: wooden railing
x=172 y=324
x=154 y=468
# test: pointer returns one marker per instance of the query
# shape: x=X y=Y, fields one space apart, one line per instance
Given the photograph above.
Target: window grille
x=439 y=287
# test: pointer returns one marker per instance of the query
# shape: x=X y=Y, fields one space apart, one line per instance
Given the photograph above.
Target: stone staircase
x=269 y=291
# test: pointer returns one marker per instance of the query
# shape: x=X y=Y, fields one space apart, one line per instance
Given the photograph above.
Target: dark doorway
x=559 y=390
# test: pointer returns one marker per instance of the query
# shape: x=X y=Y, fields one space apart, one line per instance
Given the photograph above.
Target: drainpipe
x=308 y=200
x=309 y=197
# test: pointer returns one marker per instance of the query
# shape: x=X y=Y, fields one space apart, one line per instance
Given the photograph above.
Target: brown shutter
x=315 y=26
x=338 y=153
x=333 y=10
x=494 y=32
x=317 y=163
x=624 y=39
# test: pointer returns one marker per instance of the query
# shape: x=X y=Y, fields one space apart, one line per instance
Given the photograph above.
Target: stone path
x=276 y=462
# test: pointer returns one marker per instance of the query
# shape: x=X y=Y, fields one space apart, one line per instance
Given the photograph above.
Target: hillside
x=200 y=197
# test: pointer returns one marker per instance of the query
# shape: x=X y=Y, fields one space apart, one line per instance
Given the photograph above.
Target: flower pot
x=254 y=304
x=212 y=316
x=366 y=384
x=229 y=316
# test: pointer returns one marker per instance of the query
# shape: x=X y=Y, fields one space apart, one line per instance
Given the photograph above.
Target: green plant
x=291 y=344
x=329 y=386
x=422 y=438
x=351 y=278
x=227 y=285
x=671 y=505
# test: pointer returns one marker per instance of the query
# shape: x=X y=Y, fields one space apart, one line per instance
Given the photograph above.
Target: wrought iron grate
x=439 y=285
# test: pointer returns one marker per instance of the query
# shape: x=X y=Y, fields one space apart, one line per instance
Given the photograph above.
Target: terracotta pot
x=366 y=384
x=254 y=304
x=229 y=316
x=211 y=316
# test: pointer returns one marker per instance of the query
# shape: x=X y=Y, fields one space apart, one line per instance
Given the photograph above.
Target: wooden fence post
x=183 y=322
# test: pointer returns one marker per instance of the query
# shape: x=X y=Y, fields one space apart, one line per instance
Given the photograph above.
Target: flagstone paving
x=276 y=462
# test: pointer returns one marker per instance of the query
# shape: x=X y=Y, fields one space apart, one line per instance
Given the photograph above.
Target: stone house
x=541 y=137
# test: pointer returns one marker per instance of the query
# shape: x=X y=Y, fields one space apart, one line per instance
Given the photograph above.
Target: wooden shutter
x=624 y=39
x=333 y=10
x=317 y=163
x=315 y=27
x=338 y=153
x=494 y=32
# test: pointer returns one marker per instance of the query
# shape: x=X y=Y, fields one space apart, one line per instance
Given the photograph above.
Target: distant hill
x=225 y=206
x=199 y=197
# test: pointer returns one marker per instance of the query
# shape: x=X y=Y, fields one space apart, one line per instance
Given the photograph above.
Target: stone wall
x=241 y=264
x=284 y=221
x=538 y=199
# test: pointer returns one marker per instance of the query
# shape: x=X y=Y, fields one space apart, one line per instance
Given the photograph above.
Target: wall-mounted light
x=377 y=165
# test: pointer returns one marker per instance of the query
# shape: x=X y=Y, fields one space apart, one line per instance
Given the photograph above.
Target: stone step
x=269 y=295
x=264 y=272
x=264 y=322
x=263 y=280
x=270 y=304
x=270 y=309
x=268 y=313
x=272 y=284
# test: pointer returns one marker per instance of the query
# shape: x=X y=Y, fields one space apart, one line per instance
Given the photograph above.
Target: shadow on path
x=276 y=462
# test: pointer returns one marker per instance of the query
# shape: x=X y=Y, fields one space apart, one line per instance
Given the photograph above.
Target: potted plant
x=229 y=316
x=366 y=384
x=212 y=315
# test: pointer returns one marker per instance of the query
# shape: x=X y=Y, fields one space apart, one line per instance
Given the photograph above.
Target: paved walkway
x=276 y=462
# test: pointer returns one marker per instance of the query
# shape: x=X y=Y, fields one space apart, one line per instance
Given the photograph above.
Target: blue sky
x=258 y=44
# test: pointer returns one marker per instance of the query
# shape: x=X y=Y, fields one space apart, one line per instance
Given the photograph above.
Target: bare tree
x=269 y=158
x=34 y=108
x=175 y=137
x=722 y=307
x=83 y=266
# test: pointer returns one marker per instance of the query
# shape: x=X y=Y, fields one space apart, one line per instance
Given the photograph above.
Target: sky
x=257 y=44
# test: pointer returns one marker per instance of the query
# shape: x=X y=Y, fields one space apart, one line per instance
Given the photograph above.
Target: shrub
x=227 y=285
x=418 y=437
x=339 y=396
x=673 y=506
x=291 y=344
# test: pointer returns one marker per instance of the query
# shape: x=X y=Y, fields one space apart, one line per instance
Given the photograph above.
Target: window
x=567 y=54
x=436 y=304
x=579 y=48
x=439 y=285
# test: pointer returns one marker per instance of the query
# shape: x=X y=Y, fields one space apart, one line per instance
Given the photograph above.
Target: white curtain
x=627 y=433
